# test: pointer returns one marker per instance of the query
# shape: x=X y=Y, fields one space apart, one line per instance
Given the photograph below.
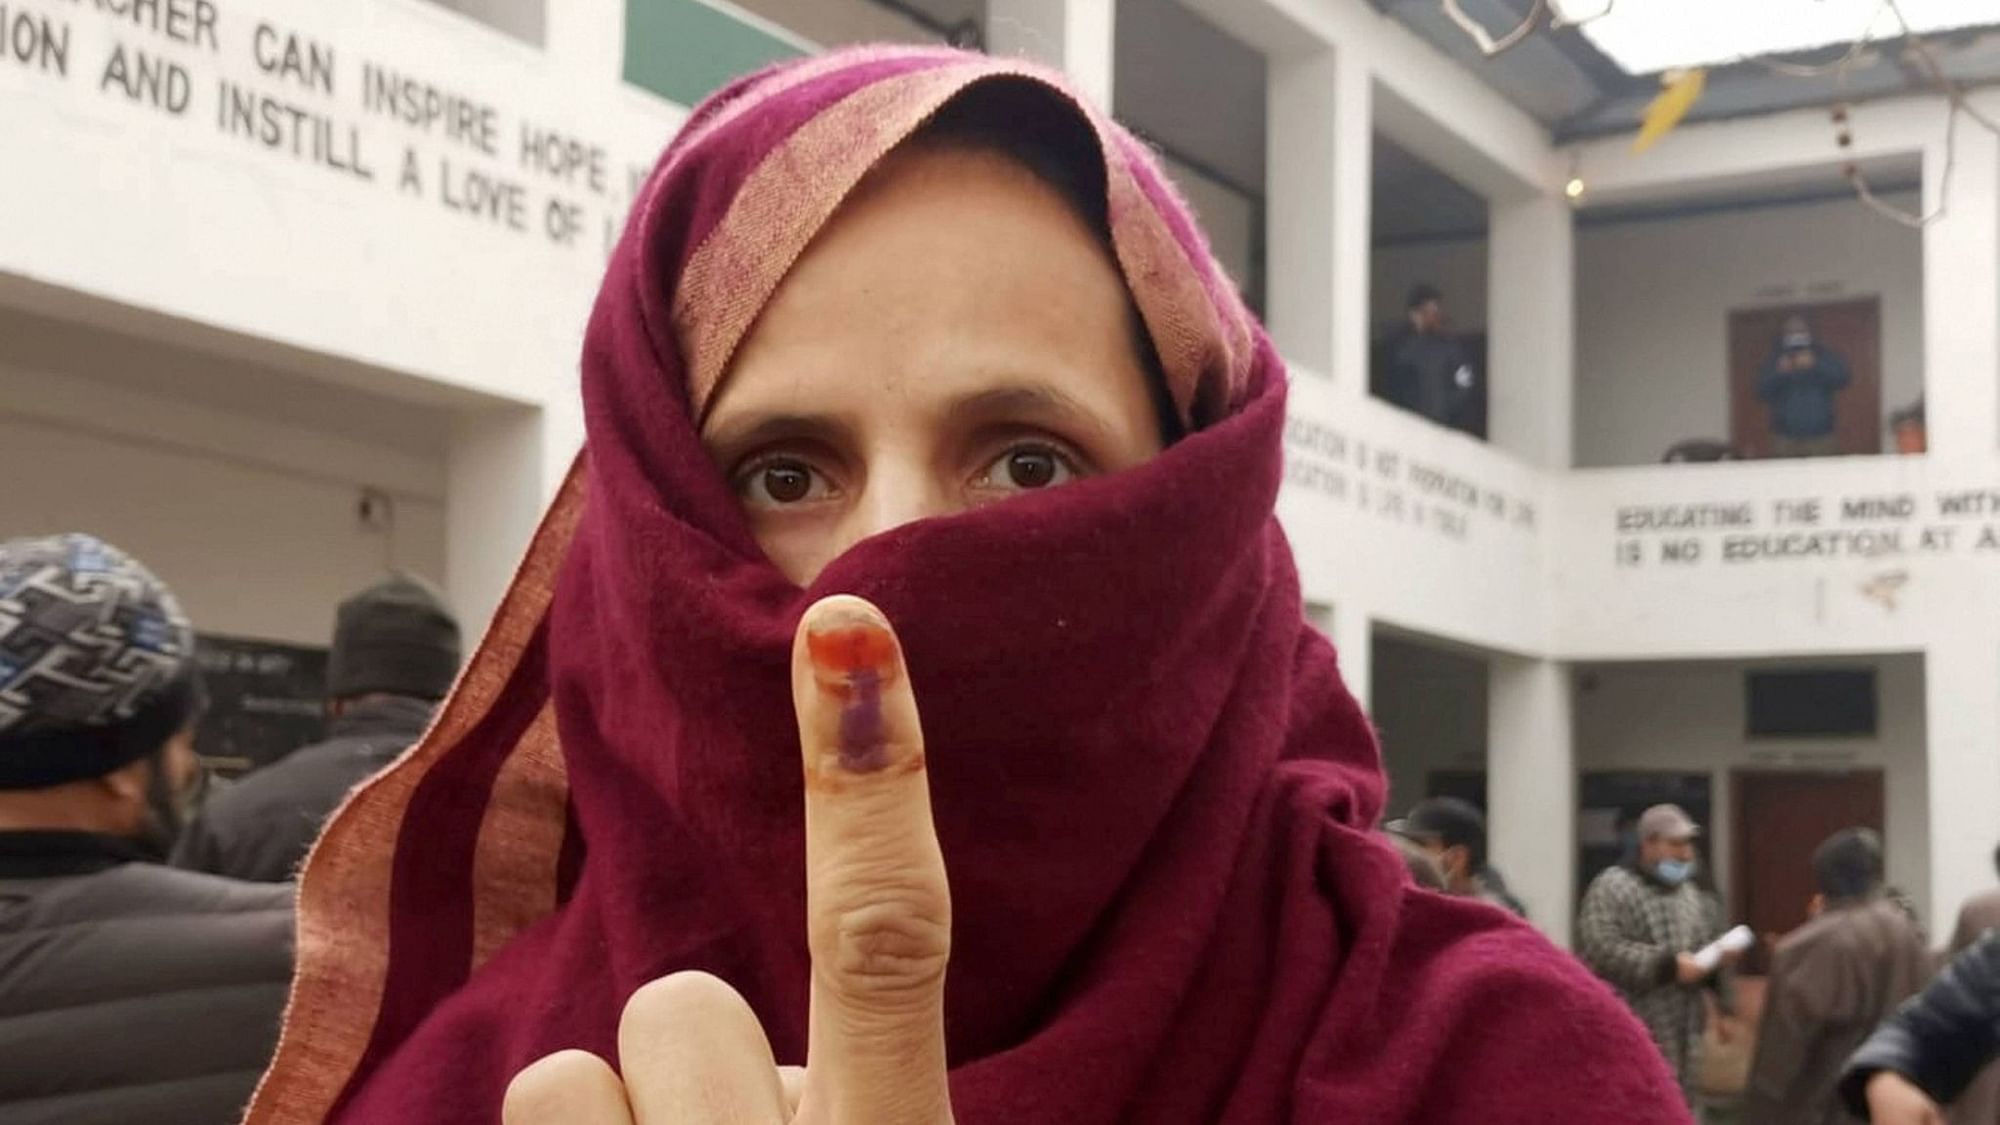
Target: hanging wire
x=1488 y=45
x=1947 y=85
x=1957 y=104
x=1858 y=180
x=1838 y=67
x=1954 y=94
x=1558 y=20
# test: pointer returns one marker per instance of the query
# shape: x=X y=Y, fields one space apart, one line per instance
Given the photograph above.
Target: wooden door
x=1851 y=328
x=1781 y=817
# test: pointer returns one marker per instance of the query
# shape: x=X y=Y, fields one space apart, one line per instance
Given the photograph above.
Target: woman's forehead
x=1197 y=326
x=951 y=274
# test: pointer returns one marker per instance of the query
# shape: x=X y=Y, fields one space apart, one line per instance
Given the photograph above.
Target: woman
x=865 y=305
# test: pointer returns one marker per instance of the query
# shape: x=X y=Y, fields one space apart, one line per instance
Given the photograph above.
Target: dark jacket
x=261 y=827
x=1832 y=981
x=1980 y=1104
x=1942 y=1036
x=1427 y=372
x=1801 y=401
x=129 y=991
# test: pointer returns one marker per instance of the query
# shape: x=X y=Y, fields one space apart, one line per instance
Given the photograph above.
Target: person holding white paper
x=1639 y=928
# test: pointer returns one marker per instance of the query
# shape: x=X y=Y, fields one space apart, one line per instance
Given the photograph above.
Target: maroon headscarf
x=1153 y=793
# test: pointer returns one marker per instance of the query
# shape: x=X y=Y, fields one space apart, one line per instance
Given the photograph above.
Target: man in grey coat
x=1639 y=927
x=129 y=991
x=395 y=653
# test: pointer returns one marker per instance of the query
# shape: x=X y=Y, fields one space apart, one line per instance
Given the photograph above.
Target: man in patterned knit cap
x=129 y=991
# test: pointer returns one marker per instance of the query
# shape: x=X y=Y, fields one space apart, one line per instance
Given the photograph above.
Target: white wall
x=400 y=278
x=1689 y=718
x=253 y=524
x=1848 y=579
x=1414 y=526
x=1653 y=304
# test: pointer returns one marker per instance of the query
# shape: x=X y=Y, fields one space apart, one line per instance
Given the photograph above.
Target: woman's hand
x=879 y=915
x=1895 y=1100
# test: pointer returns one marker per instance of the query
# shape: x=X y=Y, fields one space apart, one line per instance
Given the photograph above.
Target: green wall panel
x=683 y=50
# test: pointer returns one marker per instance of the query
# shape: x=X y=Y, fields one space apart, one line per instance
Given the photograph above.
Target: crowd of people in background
x=145 y=920
x=1847 y=1029
x=134 y=906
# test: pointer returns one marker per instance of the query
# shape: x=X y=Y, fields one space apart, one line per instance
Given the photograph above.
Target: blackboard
x=265 y=700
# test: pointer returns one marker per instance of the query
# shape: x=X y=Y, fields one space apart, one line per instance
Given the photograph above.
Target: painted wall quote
x=1394 y=487
x=288 y=95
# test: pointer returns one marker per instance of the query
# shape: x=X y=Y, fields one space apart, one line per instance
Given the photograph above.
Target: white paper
x=1735 y=941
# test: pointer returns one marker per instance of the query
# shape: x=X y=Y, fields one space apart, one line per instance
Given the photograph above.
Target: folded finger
x=692 y=1051
x=878 y=907
x=566 y=1088
x=793 y=1078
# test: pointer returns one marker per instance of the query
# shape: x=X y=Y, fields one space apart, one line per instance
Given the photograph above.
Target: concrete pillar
x=1354 y=639
x=1531 y=788
x=1962 y=726
x=561 y=437
x=1318 y=173
x=1962 y=299
x=1531 y=311
x=1075 y=36
x=494 y=496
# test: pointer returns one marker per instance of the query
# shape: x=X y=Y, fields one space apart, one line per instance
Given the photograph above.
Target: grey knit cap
x=395 y=637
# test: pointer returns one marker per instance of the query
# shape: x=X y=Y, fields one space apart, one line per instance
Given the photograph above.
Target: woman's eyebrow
x=1030 y=401
x=755 y=428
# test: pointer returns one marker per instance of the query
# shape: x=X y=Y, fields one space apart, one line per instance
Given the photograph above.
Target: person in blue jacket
x=1800 y=383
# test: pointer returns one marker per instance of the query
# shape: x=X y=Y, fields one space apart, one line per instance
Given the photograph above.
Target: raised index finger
x=877 y=904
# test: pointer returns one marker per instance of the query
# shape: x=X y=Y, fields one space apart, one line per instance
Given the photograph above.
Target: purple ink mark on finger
x=863 y=747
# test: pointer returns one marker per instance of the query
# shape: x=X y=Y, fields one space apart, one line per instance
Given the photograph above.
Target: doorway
x=1851 y=329
x=1781 y=816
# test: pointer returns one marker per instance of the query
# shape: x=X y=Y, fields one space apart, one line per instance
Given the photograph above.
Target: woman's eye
x=1026 y=467
x=780 y=481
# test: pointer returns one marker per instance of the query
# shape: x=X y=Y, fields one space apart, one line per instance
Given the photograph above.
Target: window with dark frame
x=1811 y=703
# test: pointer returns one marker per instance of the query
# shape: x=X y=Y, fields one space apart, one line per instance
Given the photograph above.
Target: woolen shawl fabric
x=1154 y=795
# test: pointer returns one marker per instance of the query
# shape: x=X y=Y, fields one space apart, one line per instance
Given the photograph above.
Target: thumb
x=877 y=904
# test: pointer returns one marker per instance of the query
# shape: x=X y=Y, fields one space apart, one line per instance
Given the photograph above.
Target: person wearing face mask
x=1639 y=926
x=1453 y=833
x=129 y=991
